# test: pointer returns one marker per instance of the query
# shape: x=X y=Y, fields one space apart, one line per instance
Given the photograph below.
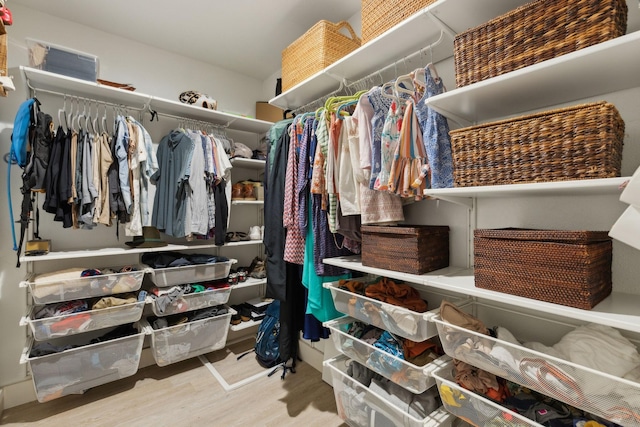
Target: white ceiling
x=246 y=36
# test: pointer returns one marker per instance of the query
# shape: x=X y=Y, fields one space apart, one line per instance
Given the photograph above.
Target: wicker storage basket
x=579 y=142
x=322 y=45
x=535 y=32
x=380 y=15
x=414 y=249
x=571 y=268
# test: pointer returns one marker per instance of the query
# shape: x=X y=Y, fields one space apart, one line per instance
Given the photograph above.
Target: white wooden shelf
x=87 y=253
x=247 y=202
x=407 y=37
x=245 y=325
x=250 y=282
x=618 y=310
x=596 y=70
x=44 y=80
x=559 y=188
x=248 y=163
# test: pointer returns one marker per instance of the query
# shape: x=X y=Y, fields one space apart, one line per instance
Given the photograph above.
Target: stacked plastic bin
x=72 y=352
x=181 y=338
x=359 y=405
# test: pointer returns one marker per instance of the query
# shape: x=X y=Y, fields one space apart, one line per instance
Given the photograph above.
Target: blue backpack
x=267 y=345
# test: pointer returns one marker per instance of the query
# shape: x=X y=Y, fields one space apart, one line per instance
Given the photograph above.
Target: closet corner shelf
x=247 y=202
x=250 y=282
x=559 y=188
x=405 y=38
x=600 y=69
x=244 y=325
x=242 y=243
x=248 y=163
x=618 y=310
x=88 y=253
x=45 y=80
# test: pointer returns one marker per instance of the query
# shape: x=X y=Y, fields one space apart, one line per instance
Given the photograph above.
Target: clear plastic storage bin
x=85 y=321
x=611 y=397
x=59 y=286
x=472 y=408
x=412 y=377
x=395 y=319
x=194 y=301
x=170 y=276
x=77 y=369
x=62 y=60
x=180 y=342
x=359 y=406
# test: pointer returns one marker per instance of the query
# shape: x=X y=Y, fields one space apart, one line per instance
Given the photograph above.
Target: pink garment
x=294 y=241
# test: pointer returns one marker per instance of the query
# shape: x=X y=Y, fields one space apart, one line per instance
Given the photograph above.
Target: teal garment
x=319 y=300
x=274 y=135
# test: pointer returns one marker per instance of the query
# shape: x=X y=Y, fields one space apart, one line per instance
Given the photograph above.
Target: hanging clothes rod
x=345 y=87
x=395 y=64
x=34 y=92
x=319 y=102
x=187 y=119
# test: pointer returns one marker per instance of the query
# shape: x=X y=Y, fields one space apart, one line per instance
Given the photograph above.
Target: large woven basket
x=415 y=249
x=322 y=45
x=579 y=142
x=571 y=268
x=380 y=15
x=535 y=32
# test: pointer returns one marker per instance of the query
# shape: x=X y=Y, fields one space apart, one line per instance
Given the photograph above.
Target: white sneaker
x=254 y=233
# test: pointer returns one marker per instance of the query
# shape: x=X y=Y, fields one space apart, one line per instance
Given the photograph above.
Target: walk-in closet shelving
x=43 y=84
x=605 y=71
x=442 y=18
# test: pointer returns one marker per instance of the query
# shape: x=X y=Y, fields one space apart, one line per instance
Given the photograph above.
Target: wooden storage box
x=380 y=15
x=322 y=45
x=579 y=142
x=571 y=268
x=415 y=249
x=535 y=32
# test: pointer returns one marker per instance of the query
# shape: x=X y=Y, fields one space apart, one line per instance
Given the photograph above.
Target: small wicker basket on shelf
x=322 y=45
x=380 y=15
x=535 y=32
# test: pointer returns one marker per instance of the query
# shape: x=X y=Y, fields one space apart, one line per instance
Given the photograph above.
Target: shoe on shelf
x=247 y=191
x=237 y=191
x=258 y=269
x=255 y=233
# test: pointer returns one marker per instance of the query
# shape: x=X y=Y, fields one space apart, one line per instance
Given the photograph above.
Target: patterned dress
x=435 y=135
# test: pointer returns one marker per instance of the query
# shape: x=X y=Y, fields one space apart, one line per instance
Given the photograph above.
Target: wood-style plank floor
x=186 y=394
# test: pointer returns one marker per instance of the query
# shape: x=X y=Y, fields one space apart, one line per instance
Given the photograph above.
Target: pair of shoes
x=236 y=236
x=244 y=312
x=242 y=190
x=258 y=269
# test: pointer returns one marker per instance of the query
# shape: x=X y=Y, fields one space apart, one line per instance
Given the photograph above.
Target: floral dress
x=435 y=135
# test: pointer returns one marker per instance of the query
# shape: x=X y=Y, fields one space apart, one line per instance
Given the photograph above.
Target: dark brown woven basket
x=415 y=249
x=579 y=142
x=571 y=268
x=380 y=15
x=535 y=32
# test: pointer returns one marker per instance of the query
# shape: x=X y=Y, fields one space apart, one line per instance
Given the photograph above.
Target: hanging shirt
x=148 y=166
x=199 y=219
x=174 y=157
x=348 y=188
x=134 y=226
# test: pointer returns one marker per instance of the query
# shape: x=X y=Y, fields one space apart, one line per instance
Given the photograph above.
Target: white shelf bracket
x=467 y=202
x=441 y=24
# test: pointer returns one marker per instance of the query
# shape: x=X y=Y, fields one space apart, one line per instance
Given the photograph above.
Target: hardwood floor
x=186 y=394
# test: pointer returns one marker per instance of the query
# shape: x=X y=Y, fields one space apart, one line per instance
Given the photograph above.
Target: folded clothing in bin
x=177 y=259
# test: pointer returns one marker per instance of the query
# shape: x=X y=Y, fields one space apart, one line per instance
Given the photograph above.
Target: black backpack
x=267 y=345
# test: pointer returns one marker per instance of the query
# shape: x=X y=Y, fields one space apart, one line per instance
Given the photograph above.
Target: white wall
x=151 y=71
